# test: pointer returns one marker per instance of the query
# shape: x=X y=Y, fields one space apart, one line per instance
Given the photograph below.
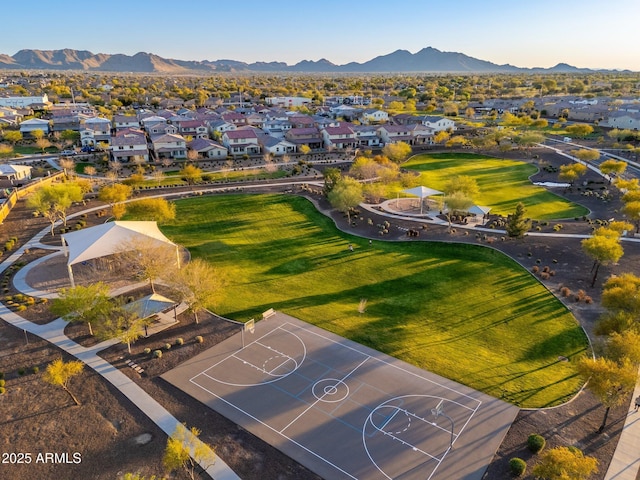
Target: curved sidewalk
x=53 y=332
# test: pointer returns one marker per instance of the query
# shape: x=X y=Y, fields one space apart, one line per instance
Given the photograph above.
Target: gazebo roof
x=108 y=239
x=422 y=192
x=149 y=305
x=479 y=210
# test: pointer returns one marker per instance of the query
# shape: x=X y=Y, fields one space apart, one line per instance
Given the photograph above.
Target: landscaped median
x=466 y=312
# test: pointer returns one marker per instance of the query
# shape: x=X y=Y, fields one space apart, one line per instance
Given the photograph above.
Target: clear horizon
x=527 y=34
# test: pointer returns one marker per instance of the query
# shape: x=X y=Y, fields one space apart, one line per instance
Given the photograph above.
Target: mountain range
x=401 y=61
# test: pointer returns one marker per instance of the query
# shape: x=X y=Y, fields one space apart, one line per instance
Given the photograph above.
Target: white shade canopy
x=108 y=239
x=479 y=210
x=422 y=192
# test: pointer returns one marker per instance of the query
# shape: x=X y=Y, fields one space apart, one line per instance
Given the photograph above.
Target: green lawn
x=463 y=311
x=503 y=183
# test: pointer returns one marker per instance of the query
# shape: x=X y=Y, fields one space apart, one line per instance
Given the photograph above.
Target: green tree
x=397 y=152
x=191 y=174
x=122 y=322
x=604 y=248
x=517 y=223
x=59 y=373
x=304 y=149
x=585 y=154
x=115 y=195
x=156 y=209
x=571 y=172
x=632 y=211
x=70 y=136
x=611 y=382
x=613 y=167
x=185 y=451
x=462 y=184
x=53 y=201
x=82 y=304
x=331 y=178
x=621 y=293
x=624 y=346
x=345 y=195
x=565 y=463
x=37 y=134
x=199 y=285
x=456 y=201
x=12 y=136
x=579 y=129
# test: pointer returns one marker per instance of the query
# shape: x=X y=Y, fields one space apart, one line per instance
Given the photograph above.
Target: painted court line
x=323 y=393
x=322 y=396
x=392 y=365
x=276 y=431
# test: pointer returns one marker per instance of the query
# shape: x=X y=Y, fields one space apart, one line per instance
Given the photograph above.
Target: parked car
x=68 y=152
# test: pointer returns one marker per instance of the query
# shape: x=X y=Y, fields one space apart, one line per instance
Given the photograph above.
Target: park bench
x=268 y=313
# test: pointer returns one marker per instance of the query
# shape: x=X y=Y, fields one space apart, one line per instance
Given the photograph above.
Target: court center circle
x=330 y=390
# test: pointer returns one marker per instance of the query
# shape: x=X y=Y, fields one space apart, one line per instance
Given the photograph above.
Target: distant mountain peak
x=428 y=59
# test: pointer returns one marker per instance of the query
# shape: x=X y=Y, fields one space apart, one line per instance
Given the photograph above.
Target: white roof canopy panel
x=109 y=238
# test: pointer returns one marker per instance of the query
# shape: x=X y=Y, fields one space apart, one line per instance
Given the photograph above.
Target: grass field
x=503 y=183
x=465 y=312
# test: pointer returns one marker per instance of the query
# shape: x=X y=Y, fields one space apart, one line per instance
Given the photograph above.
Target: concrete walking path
x=53 y=332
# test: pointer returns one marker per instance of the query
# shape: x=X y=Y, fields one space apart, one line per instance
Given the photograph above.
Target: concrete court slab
x=343 y=410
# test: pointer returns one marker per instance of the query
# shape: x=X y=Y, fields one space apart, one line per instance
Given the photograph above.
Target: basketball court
x=343 y=410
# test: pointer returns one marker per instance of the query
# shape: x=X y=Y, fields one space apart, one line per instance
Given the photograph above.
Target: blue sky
x=525 y=33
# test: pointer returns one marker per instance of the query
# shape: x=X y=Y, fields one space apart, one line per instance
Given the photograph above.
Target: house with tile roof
x=241 y=142
x=310 y=137
x=208 y=149
x=121 y=122
x=622 y=120
x=341 y=137
x=29 y=126
x=129 y=143
x=169 y=146
x=394 y=133
x=370 y=116
x=276 y=146
x=366 y=136
x=439 y=124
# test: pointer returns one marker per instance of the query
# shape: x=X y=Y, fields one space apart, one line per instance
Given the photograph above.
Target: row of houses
x=609 y=112
x=266 y=131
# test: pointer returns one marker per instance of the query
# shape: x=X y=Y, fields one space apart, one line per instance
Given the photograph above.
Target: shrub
x=1 y=375
x=35 y=369
x=565 y=291
x=21 y=308
x=517 y=466
x=544 y=276
x=2 y=390
x=535 y=269
x=147 y=351
x=2 y=383
x=21 y=371
x=157 y=354
x=535 y=443
x=167 y=346
x=199 y=339
x=179 y=341
x=545 y=269
x=588 y=299
x=580 y=295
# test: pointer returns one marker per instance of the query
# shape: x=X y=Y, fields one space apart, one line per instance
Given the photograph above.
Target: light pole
x=439 y=412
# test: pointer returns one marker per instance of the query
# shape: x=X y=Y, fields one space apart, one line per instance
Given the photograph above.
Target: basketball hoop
x=250 y=326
